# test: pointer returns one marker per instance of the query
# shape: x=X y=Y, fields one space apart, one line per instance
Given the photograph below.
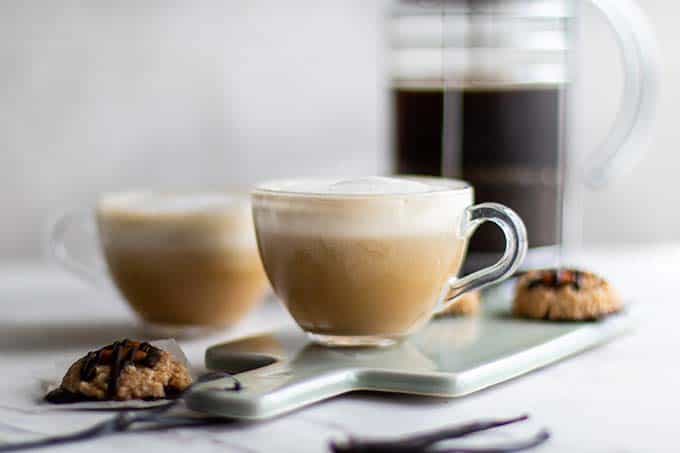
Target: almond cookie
x=124 y=370
x=467 y=305
x=564 y=295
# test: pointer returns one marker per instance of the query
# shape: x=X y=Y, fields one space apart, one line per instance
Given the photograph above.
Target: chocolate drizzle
x=118 y=355
x=63 y=396
x=557 y=278
x=88 y=370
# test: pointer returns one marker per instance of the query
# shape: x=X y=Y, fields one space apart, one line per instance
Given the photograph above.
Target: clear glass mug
x=186 y=262
x=356 y=267
x=482 y=90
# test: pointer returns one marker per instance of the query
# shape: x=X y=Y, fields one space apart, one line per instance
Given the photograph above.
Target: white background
x=99 y=95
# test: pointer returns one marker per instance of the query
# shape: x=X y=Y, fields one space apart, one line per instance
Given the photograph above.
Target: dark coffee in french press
x=504 y=139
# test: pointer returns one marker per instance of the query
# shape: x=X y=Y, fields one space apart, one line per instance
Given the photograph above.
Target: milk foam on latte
x=374 y=206
x=151 y=219
x=377 y=185
x=371 y=185
x=159 y=204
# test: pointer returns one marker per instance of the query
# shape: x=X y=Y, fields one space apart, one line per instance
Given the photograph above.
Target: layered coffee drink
x=364 y=257
x=182 y=260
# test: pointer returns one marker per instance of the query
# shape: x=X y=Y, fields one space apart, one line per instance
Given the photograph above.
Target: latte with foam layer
x=182 y=260
x=364 y=257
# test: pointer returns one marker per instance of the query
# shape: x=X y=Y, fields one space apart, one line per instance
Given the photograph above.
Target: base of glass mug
x=359 y=341
x=188 y=331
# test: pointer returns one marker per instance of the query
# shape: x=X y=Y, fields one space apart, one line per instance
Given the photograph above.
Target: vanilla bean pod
x=423 y=442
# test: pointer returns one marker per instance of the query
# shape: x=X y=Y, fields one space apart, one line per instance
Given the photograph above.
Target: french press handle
x=628 y=138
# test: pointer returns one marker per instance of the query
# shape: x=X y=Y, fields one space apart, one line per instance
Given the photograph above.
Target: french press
x=481 y=90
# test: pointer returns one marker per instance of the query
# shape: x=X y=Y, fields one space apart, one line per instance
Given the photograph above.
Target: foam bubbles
x=372 y=185
x=377 y=185
x=198 y=220
x=372 y=207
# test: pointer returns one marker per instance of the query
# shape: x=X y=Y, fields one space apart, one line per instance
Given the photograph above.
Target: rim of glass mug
x=438 y=185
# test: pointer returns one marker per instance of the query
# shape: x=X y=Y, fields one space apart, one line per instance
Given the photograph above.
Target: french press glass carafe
x=481 y=91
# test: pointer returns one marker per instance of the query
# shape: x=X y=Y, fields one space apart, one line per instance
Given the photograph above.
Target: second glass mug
x=186 y=262
x=368 y=262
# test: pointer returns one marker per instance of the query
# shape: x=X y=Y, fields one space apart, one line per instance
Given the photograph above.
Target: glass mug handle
x=515 y=249
x=72 y=231
x=630 y=132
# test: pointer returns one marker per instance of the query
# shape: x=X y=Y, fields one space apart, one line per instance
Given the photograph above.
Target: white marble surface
x=617 y=398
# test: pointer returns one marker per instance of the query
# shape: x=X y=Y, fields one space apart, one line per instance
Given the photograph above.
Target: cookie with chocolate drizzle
x=564 y=295
x=122 y=371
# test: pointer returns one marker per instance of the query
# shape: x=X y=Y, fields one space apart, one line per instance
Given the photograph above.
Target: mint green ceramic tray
x=282 y=371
